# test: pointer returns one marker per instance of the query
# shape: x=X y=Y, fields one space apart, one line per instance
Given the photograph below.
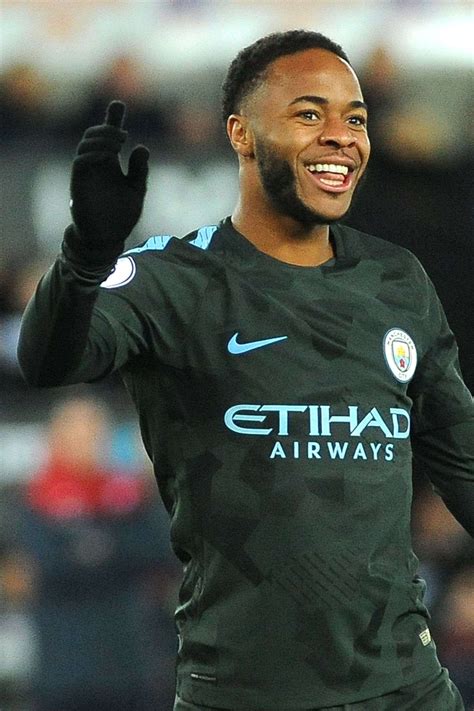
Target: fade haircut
x=248 y=69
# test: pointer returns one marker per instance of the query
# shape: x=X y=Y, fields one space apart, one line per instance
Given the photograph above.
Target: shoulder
x=165 y=254
x=368 y=248
x=195 y=243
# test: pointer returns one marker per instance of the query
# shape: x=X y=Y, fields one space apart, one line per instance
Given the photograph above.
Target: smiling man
x=300 y=132
x=286 y=370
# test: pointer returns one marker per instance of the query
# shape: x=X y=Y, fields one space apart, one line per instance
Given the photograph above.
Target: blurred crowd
x=83 y=539
x=34 y=114
x=87 y=577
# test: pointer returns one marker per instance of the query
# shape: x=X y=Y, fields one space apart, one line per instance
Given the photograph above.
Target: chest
x=293 y=340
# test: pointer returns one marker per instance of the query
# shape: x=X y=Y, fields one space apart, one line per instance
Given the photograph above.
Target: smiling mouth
x=331 y=177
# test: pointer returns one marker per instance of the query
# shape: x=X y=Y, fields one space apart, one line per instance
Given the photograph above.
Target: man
x=277 y=361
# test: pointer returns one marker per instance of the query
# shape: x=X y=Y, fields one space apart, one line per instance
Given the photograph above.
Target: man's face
x=310 y=135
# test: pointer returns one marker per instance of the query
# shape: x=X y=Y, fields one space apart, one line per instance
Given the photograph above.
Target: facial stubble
x=279 y=182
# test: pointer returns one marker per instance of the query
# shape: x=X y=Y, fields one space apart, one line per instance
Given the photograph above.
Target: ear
x=240 y=135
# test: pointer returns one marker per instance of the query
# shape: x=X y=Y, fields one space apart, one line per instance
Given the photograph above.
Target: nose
x=337 y=134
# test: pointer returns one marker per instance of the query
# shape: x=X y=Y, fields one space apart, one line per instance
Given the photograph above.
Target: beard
x=279 y=183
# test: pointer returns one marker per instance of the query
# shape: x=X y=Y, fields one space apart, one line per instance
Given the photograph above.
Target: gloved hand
x=105 y=203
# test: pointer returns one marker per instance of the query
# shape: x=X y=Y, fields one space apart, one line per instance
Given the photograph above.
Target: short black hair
x=247 y=70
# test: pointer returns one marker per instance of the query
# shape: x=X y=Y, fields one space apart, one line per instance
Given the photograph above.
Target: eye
x=358 y=120
x=309 y=115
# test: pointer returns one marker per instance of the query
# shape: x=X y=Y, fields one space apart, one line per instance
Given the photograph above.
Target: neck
x=283 y=238
x=278 y=235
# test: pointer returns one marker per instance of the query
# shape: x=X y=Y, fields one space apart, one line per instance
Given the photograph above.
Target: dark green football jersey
x=281 y=406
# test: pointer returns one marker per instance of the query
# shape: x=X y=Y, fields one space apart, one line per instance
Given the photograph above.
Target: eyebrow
x=321 y=100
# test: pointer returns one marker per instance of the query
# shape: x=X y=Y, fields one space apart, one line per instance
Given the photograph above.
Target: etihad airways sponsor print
x=340 y=434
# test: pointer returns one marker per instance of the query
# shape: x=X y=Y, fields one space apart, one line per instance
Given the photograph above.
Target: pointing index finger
x=115 y=114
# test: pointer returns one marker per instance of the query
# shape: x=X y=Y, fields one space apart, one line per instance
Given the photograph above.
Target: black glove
x=105 y=203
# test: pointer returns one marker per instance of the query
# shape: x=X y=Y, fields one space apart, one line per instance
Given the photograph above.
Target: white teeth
x=328 y=168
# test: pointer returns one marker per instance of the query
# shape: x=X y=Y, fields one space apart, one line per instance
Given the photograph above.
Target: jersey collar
x=345 y=240
x=346 y=245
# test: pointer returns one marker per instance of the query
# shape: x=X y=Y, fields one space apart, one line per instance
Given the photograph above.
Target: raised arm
x=61 y=339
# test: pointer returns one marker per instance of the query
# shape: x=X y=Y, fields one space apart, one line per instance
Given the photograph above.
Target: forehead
x=311 y=72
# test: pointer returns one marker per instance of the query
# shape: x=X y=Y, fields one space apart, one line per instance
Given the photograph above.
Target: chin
x=314 y=216
x=324 y=210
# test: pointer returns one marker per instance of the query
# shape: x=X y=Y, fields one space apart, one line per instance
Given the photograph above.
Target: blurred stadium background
x=60 y=64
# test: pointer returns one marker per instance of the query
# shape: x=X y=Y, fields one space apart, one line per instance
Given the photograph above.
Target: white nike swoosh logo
x=236 y=348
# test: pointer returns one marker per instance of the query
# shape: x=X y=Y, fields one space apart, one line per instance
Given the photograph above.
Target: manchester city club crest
x=400 y=354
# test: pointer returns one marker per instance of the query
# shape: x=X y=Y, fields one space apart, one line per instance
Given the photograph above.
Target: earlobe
x=240 y=135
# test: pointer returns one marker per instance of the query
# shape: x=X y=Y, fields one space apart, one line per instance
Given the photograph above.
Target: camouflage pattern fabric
x=435 y=694
x=282 y=407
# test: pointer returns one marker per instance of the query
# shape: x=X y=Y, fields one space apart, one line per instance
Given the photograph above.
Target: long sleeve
x=79 y=326
x=61 y=340
x=447 y=456
x=443 y=419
